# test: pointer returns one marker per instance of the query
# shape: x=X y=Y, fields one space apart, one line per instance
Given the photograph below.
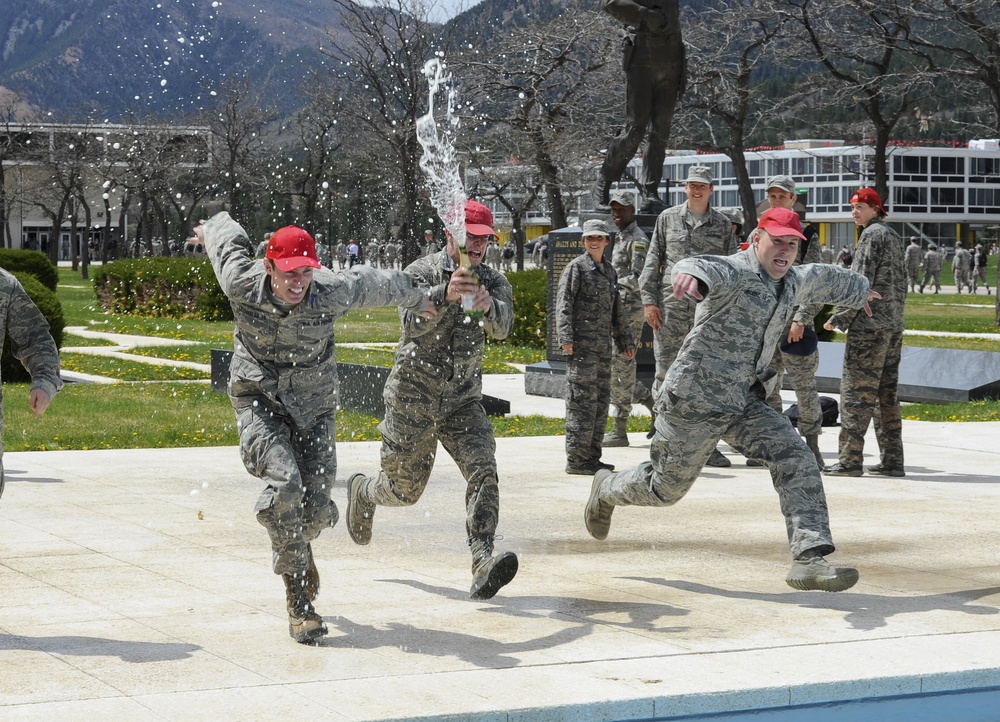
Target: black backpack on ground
x=829 y=407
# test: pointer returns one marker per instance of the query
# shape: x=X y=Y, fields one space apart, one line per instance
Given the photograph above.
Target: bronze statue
x=653 y=60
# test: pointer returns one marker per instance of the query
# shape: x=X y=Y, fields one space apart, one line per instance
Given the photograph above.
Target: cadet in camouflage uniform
x=31 y=344
x=980 y=259
x=911 y=259
x=689 y=229
x=961 y=265
x=627 y=258
x=589 y=316
x=869 y=385
x=801 y=361
x=434 y=392
x=932 y=268
x=717 y=385
x=283 y=385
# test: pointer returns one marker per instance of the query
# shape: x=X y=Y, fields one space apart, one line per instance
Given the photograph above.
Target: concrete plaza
x=136 y=585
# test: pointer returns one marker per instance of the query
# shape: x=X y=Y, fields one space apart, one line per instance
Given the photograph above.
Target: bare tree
x=379 y=63
x=960 y=40
x=724 y=108
x=862 y=47
x=547 y=94
x=15 y=114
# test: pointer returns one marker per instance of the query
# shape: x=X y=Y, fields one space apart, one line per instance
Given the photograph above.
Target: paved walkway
x=136 y=585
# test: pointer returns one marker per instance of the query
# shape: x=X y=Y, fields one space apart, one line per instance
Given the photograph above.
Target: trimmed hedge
x=162 y=287
x=34 y=262
x=50 y=307
x=531 y=294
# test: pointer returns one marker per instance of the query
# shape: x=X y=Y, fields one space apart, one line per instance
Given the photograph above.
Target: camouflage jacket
x=879 y=258
x=589 y=312
x=439 y=362
x=962 y=260
x=629 y=256
x=290 y=359
x=933 y=261
x=30 y=340
x=677 y=236
x=912 y=256
x=739 y=323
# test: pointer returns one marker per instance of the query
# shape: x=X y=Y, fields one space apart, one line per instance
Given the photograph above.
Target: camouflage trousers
x=913 y=277
x=299 y=466
x=686 y=436
x=626 y=389
x=869 y=390
x=802 y=376
x=963 y=278
x=979 y=278
x=931 y=278
x=409 y=446
x=588 y=394
x=678 y=319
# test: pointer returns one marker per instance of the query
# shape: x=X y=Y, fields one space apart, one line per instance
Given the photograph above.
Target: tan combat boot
x=489 y=572
x=618 y=435
x=304 y=624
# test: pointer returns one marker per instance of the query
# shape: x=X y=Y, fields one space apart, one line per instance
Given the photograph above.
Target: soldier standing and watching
x=653 y=61
x=690 y=229
x=911 y=259
x=797 y=351
x=430 y=247
x=717 y=385
x=590 y=324
x=870 y=380
x=434 y=392
x=283 y=386
x=961 y=265
x=627 y=258
x=932 y=268
x=31 y=344
x=980 y=259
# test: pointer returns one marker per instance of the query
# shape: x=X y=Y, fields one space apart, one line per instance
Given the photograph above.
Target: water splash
x=439 y=162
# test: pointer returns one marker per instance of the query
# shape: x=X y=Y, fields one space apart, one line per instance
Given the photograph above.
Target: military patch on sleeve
x=640 y=245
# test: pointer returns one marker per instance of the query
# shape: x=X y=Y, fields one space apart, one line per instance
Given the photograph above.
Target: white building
x=938 y=194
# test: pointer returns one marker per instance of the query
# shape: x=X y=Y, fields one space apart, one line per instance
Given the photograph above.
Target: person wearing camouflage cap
x=690 y=229
x=715 y=389
x=961 y=265
x=590 y=325
x=283 y=386
x=32 y=344
x=911 y=260
x=933 y=260
x=628 y=256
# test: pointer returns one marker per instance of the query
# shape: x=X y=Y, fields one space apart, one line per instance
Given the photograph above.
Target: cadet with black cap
x=627 y=258
x=283 y=385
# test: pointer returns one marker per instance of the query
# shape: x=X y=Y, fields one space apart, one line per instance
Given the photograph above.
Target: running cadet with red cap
x=869 y=384
x=434 y=393
x=716 y=389
x=283 y=385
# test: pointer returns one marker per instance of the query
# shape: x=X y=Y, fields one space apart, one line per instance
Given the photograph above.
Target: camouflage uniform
x=801 y=369
x=980 y=259
x=678 y=235
x=283 y=383
x=434 y=392
x=588 y=314
x=932 y=270
x=911 y=259
x=870 y=380
x=628 y=258
x=961 y=265
x=717 y=385
x=30 y=343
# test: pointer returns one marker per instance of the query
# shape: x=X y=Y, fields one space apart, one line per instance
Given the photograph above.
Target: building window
x=947 y=200
x=802 y=167
x=984 y=200
x=909 y=199
x=984 y=170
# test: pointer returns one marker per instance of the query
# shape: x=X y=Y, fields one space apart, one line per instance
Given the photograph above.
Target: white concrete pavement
x=136 y=585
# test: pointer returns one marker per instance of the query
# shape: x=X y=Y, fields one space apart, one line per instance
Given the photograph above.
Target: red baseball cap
x=871 y=197
x=478 y=219
x=291 y=247
x=781 y=222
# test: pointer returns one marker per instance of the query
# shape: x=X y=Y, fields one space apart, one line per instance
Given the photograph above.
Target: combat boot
x=489 y=572
x=652 y=423
x=601 y=193
x=304 y=624
x=311 y=579
x=812 y=441
x=360 y=511
x=618 y=435
x=814 y=573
